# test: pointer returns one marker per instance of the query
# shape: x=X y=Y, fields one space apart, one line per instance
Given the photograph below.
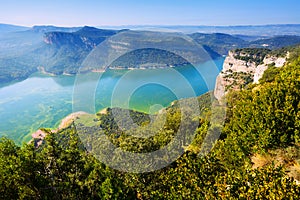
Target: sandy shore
x=67 y=121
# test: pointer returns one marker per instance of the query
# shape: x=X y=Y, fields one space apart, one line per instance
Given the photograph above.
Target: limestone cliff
x=244 y=66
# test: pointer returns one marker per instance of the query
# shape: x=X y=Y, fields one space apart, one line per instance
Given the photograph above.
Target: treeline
x=255 y=55
x=261 y=120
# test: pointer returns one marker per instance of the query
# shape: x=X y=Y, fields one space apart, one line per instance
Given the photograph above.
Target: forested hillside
x=256 y=157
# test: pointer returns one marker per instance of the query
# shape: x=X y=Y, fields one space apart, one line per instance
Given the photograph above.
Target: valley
x=89 y=113
x=60 y=50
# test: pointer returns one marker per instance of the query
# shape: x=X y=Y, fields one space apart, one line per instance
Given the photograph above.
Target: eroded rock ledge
x=242 y=67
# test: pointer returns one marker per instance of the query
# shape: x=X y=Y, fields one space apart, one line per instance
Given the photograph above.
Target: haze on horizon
x=154 y=12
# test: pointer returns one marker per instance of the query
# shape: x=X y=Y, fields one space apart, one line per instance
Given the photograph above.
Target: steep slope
x=263 y=120
x=63 y=52
x=244 y=66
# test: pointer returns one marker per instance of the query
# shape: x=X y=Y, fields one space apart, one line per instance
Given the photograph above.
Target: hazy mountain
x=252 y=30
x=219 y=42
x=251 y=38
x=276 y=42
x=6 y=28
x=45 y=29
x=147 y=49
x=63 y=52
x=222 y=43
x=23 y=53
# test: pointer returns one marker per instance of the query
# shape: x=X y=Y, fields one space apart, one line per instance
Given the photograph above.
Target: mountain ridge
x=61 y=50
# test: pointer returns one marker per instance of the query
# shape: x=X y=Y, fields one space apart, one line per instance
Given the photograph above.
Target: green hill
x=219 y=42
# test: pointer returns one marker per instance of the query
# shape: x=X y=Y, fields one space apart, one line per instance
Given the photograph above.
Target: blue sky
x=149 y=12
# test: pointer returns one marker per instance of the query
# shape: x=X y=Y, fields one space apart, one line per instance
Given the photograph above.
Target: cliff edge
x=244 y=66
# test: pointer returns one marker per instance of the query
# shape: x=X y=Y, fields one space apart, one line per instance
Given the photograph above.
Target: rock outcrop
x=241 y=68
x=268 y=61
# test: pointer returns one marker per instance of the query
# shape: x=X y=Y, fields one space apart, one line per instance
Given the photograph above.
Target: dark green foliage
x=255 y=55
x=148 y=58
x=240 y=79
x=55 y=173
x=270 y=74
x=265 y=183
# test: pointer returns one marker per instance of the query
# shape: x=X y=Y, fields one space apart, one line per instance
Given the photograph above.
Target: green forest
x=256 y=157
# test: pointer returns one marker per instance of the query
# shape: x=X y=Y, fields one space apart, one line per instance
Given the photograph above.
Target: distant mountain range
x=249 y=30
x=7 y=28
x=222 y=43
x=61 y=50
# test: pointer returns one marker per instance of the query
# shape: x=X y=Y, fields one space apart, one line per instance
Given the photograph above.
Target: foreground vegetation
x=256 y=157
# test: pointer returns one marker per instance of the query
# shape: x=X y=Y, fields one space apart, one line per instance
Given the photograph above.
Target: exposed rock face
x=219 y=91
x=269 y=60
x=38 y=137
x=85 y=38
x=236 y=65
x=68 y=39
x=239 y=71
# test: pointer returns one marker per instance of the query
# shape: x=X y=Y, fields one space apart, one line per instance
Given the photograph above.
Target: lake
x=43 y=101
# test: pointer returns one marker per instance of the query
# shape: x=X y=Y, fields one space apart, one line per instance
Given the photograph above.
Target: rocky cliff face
x=68 y=39
x=87 y=37
x=268 y=61
x=243 y=67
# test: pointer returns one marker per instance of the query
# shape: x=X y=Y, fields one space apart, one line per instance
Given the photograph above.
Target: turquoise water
x=43 y=101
